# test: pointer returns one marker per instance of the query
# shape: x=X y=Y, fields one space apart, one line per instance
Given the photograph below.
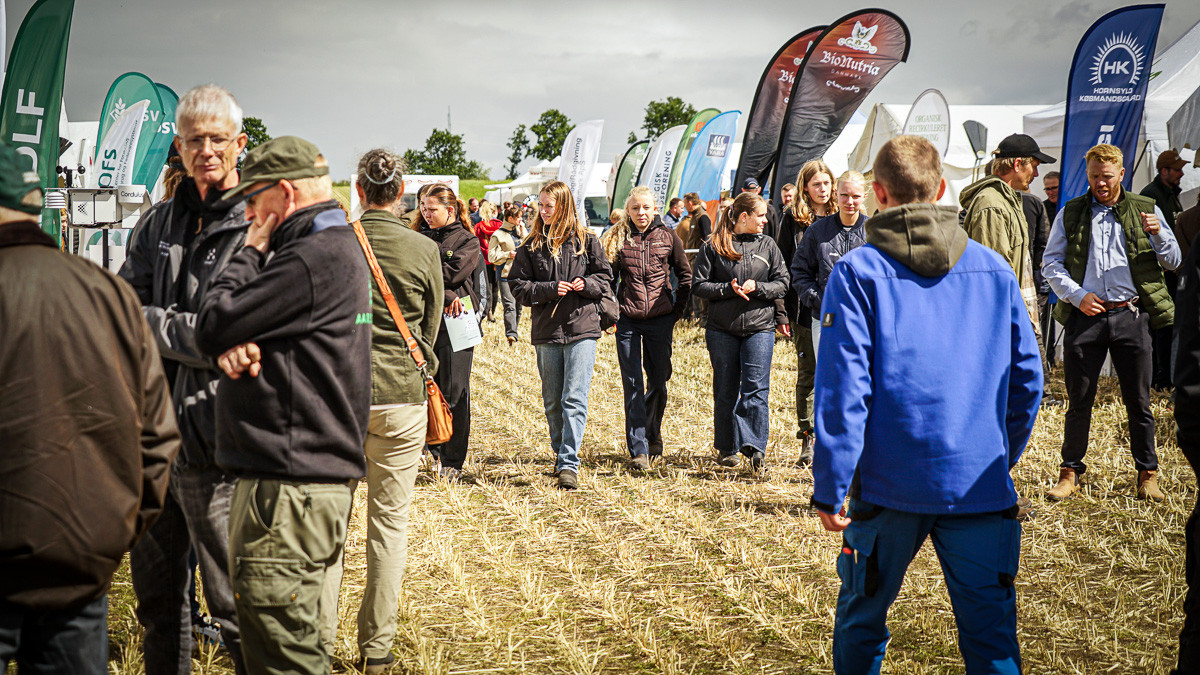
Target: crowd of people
x=260 y=356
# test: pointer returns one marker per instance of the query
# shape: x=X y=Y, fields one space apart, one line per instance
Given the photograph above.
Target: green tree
x=551 y=130
x=443 y=155
x=662 y=115
x=519 y=145
x=256 y=130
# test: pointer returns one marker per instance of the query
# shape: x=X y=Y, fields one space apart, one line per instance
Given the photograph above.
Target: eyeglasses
x=250 y=195
x=219 y=143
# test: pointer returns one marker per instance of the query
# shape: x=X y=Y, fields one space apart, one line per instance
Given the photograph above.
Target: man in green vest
x=1105 y=260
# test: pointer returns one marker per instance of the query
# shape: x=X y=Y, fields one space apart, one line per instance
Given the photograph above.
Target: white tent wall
x=1175 y=78
x=530 y=182
x=886 y=120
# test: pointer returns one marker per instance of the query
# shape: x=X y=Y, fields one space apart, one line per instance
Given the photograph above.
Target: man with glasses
x=289 y=322
x=1050 y=184
x=176 y=251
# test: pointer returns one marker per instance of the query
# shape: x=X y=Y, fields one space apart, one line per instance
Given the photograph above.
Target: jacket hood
x=925 y=237
x=998 y=188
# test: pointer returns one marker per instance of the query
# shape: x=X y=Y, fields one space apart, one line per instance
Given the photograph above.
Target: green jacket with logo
x=1144 y=267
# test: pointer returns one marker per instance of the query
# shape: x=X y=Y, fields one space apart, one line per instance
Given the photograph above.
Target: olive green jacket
x=996 y=218
x=413 y=270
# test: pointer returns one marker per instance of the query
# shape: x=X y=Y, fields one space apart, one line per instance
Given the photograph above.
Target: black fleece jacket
x=728 y=311
x=307 y=306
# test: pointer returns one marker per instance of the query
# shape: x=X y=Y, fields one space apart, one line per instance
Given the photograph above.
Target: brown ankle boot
x=1147 y=486
x=1068 y=483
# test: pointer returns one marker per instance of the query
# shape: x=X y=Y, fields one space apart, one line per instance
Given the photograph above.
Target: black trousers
x=1189 y=637
x=645 y=343
x=1123 y=333
x=1161 y=339
x=453 y=377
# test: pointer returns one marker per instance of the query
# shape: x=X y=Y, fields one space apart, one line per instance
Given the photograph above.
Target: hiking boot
x=1068 y=483
x=568 y=479
x=450 y=474
x=511 y=340
x=377 y=666
x=757 y=460
x=656 y=449
x=806 y=449
x=730 y=460
x=1147 y=486
x=640 y=463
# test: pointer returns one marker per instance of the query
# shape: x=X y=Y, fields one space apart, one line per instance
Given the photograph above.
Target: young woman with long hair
x=561 y=273
x=643 y=252
x=396 y=427
x=741 y=273
x=815 y=200
x=444 y=219
x=484 y=229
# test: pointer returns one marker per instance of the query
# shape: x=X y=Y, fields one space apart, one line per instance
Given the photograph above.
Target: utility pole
x=449 y=128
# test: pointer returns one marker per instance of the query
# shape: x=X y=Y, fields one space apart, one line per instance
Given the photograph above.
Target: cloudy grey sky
x=351 y=76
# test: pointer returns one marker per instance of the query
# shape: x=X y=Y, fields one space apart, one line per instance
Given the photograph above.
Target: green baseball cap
x=16 y=184
x=283 y=158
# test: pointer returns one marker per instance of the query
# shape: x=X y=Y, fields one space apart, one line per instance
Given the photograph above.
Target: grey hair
x=208 y=101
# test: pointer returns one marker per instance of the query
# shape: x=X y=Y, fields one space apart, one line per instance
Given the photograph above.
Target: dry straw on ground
x=698 y=569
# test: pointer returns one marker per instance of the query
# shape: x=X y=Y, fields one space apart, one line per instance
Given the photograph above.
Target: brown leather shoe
x=1147 y=486
x=1068 y=483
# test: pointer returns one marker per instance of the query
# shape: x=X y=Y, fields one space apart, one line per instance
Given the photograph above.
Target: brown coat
x=87 y=434
x=643 y=271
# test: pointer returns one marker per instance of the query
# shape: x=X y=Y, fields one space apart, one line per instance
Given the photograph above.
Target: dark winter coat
x=824 y=243
x=533 y=280
x=308 y=308
x=86 y=435
x=790 y=233
x=176 y=251
x=460 y=255
x=760 y=261
x=643 y=269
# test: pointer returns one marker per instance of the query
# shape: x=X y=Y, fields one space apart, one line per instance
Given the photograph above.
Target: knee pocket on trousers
x=268 y=582
x=858 y=564
x=1009 y=557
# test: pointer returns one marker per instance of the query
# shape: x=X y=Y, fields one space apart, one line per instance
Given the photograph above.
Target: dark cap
x=16 y=184
x=1170 y=160
x=283 y=158
x=1022 y=145
x=750 y=184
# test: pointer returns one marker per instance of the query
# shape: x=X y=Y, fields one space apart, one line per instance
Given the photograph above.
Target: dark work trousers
x=195 y=516
x=453 y=377
x=1123 y=333
x=1189 y=637
x=493 y=288
x=512 y=309
x=645 y=343
x=1162 y=338
x=53 y=641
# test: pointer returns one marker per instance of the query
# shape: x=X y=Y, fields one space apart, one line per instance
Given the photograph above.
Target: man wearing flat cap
x=1165 y=191
x=289 y=320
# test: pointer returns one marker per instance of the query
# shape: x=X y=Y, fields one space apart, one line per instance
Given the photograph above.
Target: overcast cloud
x=352 y=76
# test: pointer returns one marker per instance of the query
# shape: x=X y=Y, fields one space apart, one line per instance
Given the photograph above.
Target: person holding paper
x=442 y=220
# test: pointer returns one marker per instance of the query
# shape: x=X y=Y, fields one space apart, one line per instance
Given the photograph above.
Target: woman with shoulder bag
x=442 y=220
x=644 y=252
x=397 y=424
x=561 y=273
x=741 y=273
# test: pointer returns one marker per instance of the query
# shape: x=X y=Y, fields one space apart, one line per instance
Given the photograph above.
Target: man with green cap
x=88 y=436
x=289 y=322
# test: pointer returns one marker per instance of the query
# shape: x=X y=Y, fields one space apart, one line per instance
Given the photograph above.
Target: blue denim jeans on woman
x=566 y=371
x=645 y=343
x=53 y=641
x=741 y=382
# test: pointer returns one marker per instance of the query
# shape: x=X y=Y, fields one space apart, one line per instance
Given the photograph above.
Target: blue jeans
x=979 y=554
x=566 y=371
x=50 y=642
x=741 y=382
x=195 y=517
x=645 y=343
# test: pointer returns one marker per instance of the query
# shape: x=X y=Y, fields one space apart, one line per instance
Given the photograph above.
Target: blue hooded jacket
x=928 y=373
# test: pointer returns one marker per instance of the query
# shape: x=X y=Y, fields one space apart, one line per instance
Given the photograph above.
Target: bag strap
x=389 y=299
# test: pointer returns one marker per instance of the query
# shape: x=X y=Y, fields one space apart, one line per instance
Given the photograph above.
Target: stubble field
x=693 y=568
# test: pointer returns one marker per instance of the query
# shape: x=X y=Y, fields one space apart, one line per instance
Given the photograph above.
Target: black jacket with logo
x=534 y=277
x=728 y=311
x=307 y=305
x=177 y=249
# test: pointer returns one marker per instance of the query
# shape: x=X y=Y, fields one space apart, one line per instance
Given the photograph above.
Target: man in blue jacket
x=928 y=383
